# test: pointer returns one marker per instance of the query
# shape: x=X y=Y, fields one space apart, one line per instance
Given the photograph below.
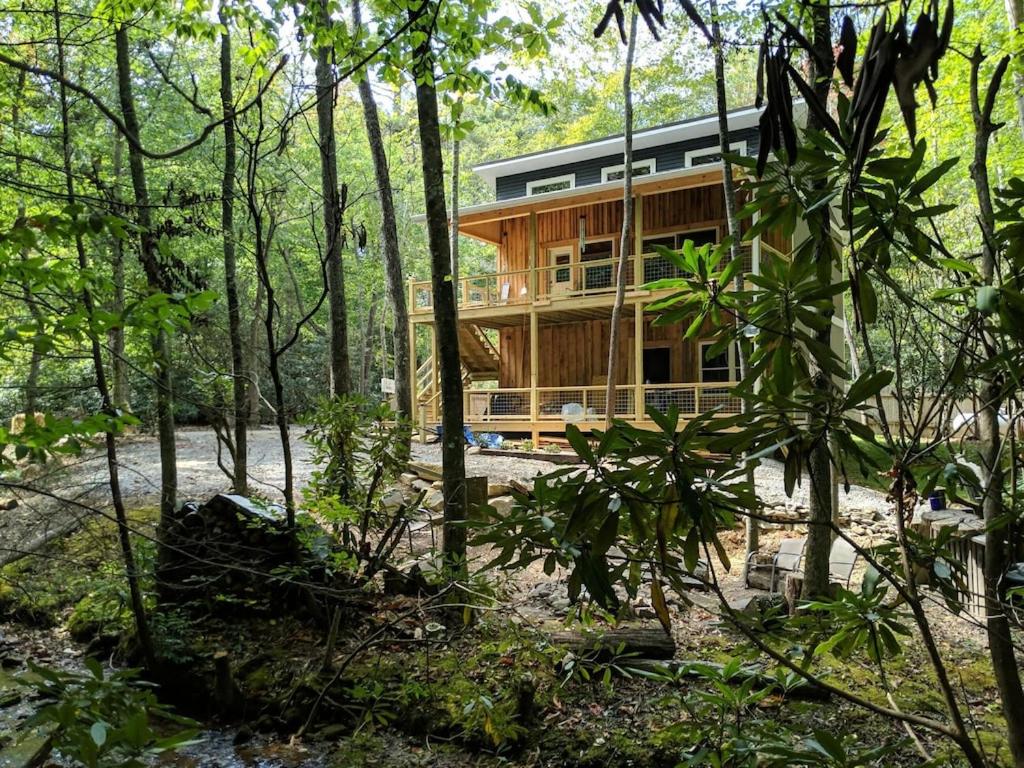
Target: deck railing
x=552 y=282
x=587 y=404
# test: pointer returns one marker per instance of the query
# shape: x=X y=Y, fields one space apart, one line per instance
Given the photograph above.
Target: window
x=657 y=267
x=600 y=276
x=640 y=168
x=720 y=367
x=708 y=155
x=552 y=184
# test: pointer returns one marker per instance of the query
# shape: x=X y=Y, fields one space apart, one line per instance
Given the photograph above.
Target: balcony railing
x=587 y=404
x=552 y=282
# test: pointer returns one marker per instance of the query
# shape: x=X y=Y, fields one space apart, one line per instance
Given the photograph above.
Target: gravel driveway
x=84 y=480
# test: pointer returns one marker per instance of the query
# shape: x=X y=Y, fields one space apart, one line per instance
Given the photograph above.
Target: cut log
x=635 y=641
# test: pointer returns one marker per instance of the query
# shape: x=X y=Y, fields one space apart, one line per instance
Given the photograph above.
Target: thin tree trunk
x=1015 y=20
x=389 y=238
x=115 y=338
x=627 y=229
x=149 y=257
x=227 y=209
x=253 y=394
x=332 y=212
x=1000 y=643
x=456 y=145
x=752 y=528
x=819 y=462
x=367 y=356
x=453 y=460
x=124 y=534
x=36 y=357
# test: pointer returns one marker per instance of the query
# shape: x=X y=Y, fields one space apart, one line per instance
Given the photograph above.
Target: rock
x=498 y=489
x=437 y=485
x=421 y=485
x=393 y=500
x=242 y=736
x=473 y=450
x=502 y=504
x=434 y=500
x=408 y=478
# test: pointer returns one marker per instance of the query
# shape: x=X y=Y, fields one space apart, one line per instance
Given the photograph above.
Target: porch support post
x=435 y=381
x=638 y=360
x=638 y=241
x=532 y=253
x=534 y=368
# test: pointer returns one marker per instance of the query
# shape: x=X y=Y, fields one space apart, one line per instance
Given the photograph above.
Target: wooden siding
x=669 y=157
x=698 y=207
x=576 y=354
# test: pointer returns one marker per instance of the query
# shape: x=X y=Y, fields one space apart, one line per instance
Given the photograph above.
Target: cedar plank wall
x=576 y=354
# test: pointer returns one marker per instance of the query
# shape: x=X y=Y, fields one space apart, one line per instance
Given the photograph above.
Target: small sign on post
x=387 y=386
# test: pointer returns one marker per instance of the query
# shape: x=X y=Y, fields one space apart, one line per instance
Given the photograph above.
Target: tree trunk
x=752 y=529
x=819 y=462
x=1000 y=643
x=455 y=222
x=35 y=360
x=255 y=406
x=366 y=363
x=149 y=256
x=1015 y=20
x=239 y=403
x=115 y=338
x=332 y=213
x=392 y=256
x=107 y=405
x=627 y=230
x=453 y=460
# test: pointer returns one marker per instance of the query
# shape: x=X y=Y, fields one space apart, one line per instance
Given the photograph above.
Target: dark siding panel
x=669 y=158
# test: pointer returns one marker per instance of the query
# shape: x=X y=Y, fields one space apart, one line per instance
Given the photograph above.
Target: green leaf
x=98 y=732
x=986 y=299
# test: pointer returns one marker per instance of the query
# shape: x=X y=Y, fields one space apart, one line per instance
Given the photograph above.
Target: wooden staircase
x=480 y=362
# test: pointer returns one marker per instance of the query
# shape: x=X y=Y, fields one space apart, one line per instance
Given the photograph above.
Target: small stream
x=52 y=648
x=219 y=751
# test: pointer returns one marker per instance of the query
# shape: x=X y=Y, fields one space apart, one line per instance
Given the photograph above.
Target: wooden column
x=435 y=379
x=534 y=371
x=534 y=330
x=638 y=241
x=532 y=254
x=638 y=360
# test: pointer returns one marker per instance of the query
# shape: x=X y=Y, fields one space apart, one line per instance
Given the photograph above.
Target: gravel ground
x=84 y=480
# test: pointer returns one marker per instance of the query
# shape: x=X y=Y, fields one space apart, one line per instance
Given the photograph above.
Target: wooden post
x=638 y=241
x=638 y=359
x=533 y=256
x=534 y=366
x=435 y=380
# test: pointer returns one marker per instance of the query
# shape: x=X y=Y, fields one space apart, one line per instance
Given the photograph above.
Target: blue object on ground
x=490 y=439
x=468 y=433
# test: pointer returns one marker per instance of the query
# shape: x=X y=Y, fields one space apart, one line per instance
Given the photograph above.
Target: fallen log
x=628 y=641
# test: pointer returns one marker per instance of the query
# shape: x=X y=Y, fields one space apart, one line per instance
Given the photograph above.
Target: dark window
x=715 y=368
x=600 y=276
x=658 y=365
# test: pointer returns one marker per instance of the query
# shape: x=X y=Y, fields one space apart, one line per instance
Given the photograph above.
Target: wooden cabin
x=533 y=334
